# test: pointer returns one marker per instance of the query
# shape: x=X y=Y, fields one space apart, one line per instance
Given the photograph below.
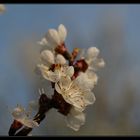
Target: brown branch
x=45 y=104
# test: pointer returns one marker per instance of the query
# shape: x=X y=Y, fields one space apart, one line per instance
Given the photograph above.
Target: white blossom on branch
x=72 y=82
x=54 y=37
x=2 y=8
x=23 y=117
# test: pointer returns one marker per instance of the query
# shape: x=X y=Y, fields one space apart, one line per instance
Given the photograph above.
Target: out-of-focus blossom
x=23 y=117
x=87 y=80
x=75 y=119
x=91 y=57
x=2 y=8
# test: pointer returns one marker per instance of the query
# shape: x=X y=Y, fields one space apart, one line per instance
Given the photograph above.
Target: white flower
x=75 y=119
x=60 y=59
x=54 y=37
x=59 y=71
x=91 y=57
x=92 y=52
x=87 y=80
x=73 y=93
x=18 y=112
x=2 y=8
x=50 y=58
x=20 y=115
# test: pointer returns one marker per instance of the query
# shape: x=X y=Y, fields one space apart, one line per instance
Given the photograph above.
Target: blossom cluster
x=73 y=78
x=2 y=8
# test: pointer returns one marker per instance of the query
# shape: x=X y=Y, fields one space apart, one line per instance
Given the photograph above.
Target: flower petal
x=97 y=64
x=62 y=31
x=70 y=71
x=28 y=122
x=53 y=76
x=44 y=70
x=58 y=88
x=53 y=37
x=100 y=63
x=20 y=115
x=92 y=79
x=92 y=52
x=89 y=97
x=48 y=56
x=49 y=75
x=86 y=80
x=60 y=59
x=63 y=84
x=75 y=98
x=75 y=119
x=18 y=112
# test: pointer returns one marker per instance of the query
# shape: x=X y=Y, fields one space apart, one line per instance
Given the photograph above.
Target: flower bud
x=48 y=56
x=60 y=59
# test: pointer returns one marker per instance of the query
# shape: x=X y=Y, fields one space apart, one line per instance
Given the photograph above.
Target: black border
x=69 y=2
x=121 y=2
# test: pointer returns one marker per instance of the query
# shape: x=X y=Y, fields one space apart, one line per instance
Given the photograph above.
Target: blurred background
x=114 y=29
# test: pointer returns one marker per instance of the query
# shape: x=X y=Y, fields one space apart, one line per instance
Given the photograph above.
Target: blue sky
x=25 y=19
